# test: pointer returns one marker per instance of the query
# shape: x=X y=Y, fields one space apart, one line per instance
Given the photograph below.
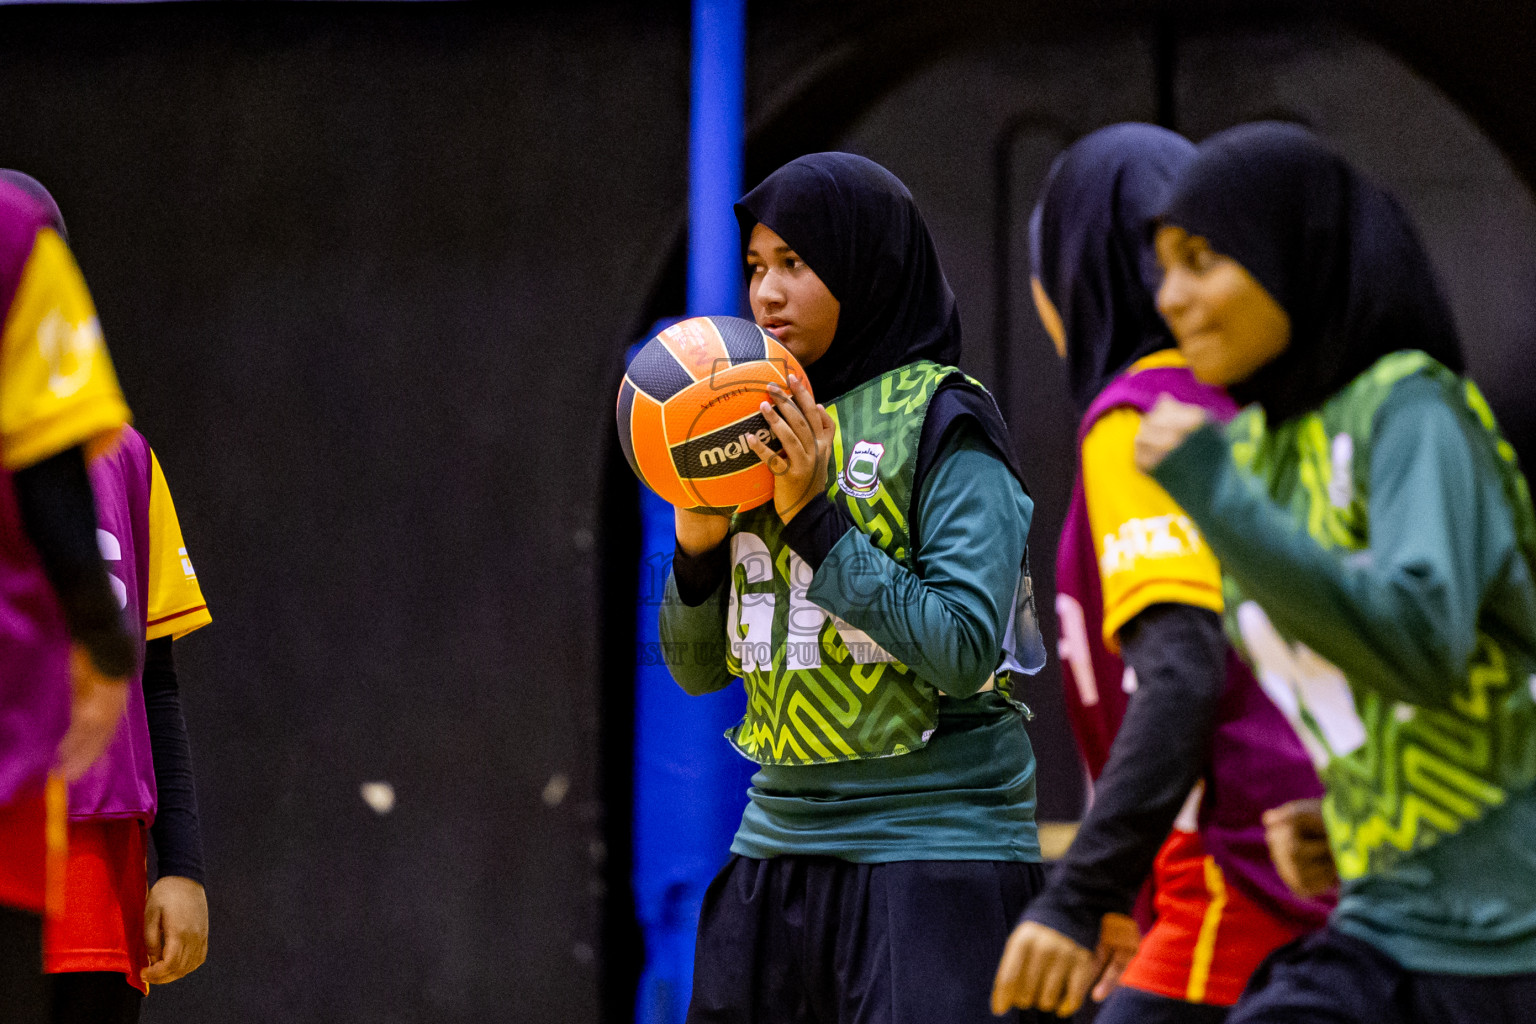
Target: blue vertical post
x=690 y=786
x=716 y=141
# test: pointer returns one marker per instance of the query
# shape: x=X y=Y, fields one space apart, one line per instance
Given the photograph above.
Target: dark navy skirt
x=817 y=940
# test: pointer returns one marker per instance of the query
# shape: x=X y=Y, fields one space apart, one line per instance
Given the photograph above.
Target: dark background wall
x=361 y=269
x=365 y=271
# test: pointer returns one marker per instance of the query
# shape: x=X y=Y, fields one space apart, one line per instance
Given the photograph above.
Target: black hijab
x=1090 y=247
x=855 y=224
x=40 y=195
x=1333 y=248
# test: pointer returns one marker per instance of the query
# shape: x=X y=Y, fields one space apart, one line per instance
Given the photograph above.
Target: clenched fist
x=1164 y=429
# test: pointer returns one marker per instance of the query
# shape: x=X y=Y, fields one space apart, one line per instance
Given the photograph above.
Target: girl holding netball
x=1378 y=543
x=889 y=842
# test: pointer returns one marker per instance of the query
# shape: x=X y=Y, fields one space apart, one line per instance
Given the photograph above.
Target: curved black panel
x=744 y=340
x=657 y=372
x=625 y=421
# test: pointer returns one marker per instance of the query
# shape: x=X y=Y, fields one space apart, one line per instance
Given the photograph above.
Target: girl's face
x=788 y=300
x=1050 y=319
x=1226 y=324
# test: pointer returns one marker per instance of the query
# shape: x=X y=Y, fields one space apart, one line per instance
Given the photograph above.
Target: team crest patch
x=861 y=476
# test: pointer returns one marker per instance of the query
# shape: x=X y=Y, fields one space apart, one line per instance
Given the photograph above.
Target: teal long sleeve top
x=1400 y=617
x=969 y=794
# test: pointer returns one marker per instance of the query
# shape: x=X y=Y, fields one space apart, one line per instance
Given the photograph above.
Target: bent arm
x=1399 y=617
x=58 y=513
x=945 y=621
x=693 y=620
x=1179 y=655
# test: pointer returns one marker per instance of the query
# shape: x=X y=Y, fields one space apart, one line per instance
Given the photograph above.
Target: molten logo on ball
x=734 y=450
x=722 y=452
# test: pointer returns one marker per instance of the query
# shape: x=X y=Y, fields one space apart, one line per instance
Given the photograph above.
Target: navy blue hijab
x=856 y=225
x=1090 y=246
x=1332 y=247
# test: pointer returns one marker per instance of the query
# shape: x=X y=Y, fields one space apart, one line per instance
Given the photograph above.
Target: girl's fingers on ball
x=788 y=404
x=796 y=421
x=807 y=409
x=789 y=441
x=801 y=425
x=765 y=454
x=802 y=395
x=774 y=419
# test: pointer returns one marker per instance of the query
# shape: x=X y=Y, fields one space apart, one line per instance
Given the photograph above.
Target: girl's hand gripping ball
x=804 y=431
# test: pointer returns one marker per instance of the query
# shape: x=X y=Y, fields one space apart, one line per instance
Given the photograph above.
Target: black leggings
x=94 y=997
x=23 y=995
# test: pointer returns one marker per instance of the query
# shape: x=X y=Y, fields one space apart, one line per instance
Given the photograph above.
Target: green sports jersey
x=1400 y=774
x=1384 y=594
x=819 y=689
x=969 y=793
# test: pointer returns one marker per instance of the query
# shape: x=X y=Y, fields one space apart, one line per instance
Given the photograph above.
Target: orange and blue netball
x=688 y=403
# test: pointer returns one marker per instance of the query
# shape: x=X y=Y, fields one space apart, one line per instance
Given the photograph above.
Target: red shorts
x=102 y=927
x=32 y=845
x=1208 y=937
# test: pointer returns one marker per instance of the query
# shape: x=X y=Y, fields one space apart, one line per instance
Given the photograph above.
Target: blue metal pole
x=716 y=137
x=690 y=786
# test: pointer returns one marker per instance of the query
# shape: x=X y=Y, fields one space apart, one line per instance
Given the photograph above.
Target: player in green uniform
x=871 y=610
x=1378 y=544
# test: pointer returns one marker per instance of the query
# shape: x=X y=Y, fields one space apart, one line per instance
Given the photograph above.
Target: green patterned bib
x=1399 y=778
x=820 y=690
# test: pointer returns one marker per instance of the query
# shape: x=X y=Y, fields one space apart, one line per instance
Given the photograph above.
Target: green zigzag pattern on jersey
x=845 y=711
x=841 y=711
x=1423 y=773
